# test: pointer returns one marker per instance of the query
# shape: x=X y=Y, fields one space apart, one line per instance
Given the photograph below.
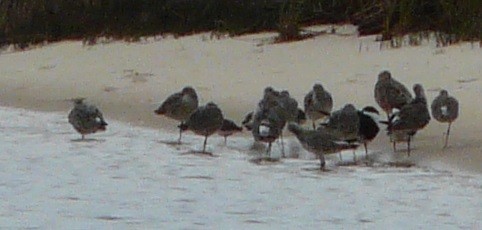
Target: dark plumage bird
x=228 y=128
x=368 y=128
x=318 y=103
x=267 y=126
x=390 y=94
x=289 y=106
x=319 y=142
x=412 y=117
x=248 y=121
x=344 y=125
x=179 y=106
x=445 y=109
x=85 y=118
x=204 y=121
x=301 y=117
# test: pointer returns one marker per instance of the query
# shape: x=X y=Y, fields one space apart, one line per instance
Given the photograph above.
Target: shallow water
x=129 y=178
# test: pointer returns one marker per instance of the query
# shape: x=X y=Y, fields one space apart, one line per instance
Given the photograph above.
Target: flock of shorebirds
x=339 y=130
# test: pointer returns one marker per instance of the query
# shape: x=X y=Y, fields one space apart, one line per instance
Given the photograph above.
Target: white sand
x=233 y=72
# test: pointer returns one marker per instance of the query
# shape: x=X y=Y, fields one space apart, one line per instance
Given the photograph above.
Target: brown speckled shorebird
x=445 y=109
x=318 y=104
x=179 y=106
x=390 y=94
x=85 y=118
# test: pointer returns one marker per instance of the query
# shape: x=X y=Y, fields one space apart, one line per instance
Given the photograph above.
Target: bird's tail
x=160 y=111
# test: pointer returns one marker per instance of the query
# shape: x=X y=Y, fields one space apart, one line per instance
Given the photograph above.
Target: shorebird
x=301 y=117
x=318 y=103
x=344 y=124
x=204 y=121
x=270 y=98
x=85 y=118
x=289 y=106
x=390 y=94
x=248 y=121
x=412 y=117
x=445 y=109
x=267 y=127
x=368 y=128
x=319 y=142
x=228 y=128
x=179 y=106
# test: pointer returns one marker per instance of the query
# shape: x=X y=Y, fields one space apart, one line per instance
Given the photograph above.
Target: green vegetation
x=24 y=22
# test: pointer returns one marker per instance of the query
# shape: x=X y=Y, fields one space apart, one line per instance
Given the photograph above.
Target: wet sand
x=128 y=81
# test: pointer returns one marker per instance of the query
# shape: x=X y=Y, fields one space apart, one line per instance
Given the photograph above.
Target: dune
x=129 y=80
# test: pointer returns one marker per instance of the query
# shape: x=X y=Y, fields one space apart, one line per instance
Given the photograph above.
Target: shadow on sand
x=80 y=140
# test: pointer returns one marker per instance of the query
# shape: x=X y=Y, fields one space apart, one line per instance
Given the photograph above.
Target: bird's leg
x=83 y=137
x=282 y=145
x=268 y=150
x=205 y=142
x=447 y=135
x=314 y=125
x=366 y=150
x=339 y=155
x=180 y=133
x=225 y=139
x=408 y=146
x=354 y=156
x=322 y=161
x=394 y=146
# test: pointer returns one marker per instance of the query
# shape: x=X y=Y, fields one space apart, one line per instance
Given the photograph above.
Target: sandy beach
x=129 y=80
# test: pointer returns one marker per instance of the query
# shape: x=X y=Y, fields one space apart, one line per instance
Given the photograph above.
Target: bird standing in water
x=445 y=109
x=179 y=106
x=85 y=118
x=318 y=104
x=204 y=121
x=228 y=128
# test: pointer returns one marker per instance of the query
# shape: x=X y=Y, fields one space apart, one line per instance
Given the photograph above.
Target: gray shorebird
x=267 y=126
x=228 y=128
x=289 y=106
x=319 y=142
x=179 y=106
x=270 y=98
x=85 y=118
x=204 y=121
x=412 y=117
x=445 y=109
x=344 y=124
x=318 y=103
x=368 y=128
x=390 y=94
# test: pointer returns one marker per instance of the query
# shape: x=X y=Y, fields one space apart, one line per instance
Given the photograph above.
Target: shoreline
x=128 y=81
